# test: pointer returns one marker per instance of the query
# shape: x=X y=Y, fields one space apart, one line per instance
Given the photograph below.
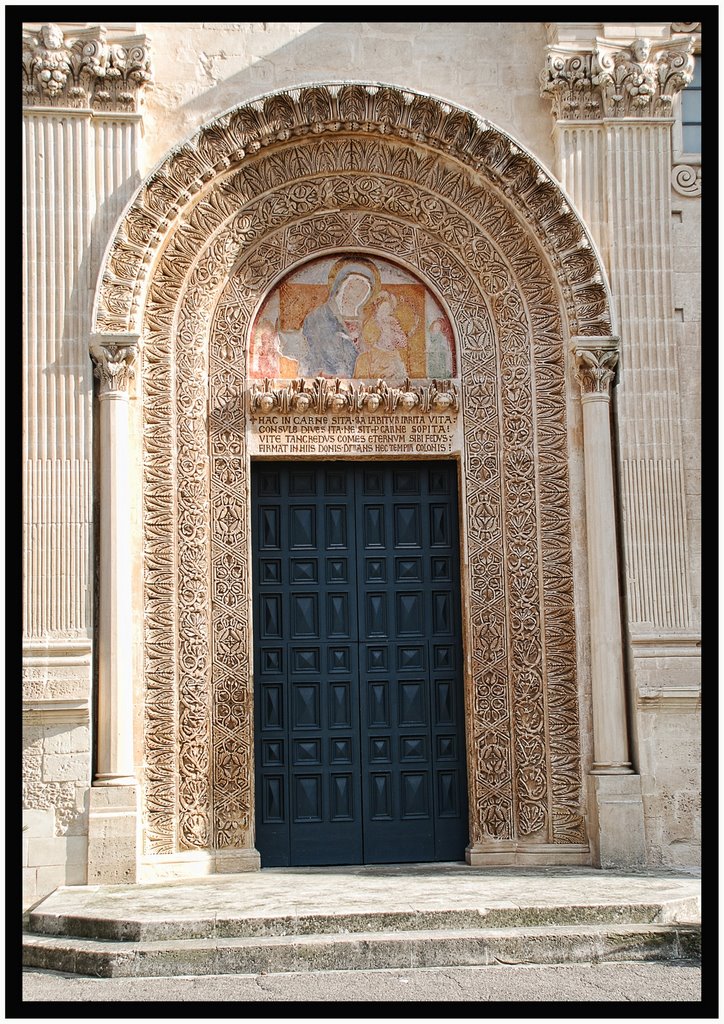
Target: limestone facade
x=530 y=176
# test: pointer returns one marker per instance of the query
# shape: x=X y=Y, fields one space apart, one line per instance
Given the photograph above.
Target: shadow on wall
x=490 y=67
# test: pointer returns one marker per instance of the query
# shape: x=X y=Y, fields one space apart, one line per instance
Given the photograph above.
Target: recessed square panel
x=304 y=570
x=338 y=659
x=272 y=661
x=373 y=482
x=411 y=658
x=406 y=481
x=408 y=570
x=335 y=482
x=413 y=748
x=269 y=482
x=272 y=753
x=306 y=752
x=380 y=748
x=337 y=570
x=439 y=481
x=375 y=570
x=443 y=657
x=340 y=750
x=302 y=482
x=305 y=659
x=377 y=659
x=270 y=570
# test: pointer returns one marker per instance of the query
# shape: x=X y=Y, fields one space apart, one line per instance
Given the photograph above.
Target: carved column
x=617 y=826
x=112 y=839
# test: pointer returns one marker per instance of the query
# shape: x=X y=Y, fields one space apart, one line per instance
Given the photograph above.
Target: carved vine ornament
x=84 y=72
x=640 y=80
x=323 y=396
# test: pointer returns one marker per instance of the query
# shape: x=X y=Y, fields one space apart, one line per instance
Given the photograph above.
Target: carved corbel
x=113 y=363
x=596 y=361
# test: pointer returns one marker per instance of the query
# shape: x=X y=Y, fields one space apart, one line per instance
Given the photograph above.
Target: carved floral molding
x=323 y=395
x=596 y=366
x=84 y=71
x=639 y=80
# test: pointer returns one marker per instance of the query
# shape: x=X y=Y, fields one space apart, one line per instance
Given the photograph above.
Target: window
x=691 y=112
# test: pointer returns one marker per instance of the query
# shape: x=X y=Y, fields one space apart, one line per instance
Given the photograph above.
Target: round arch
x=377 y=169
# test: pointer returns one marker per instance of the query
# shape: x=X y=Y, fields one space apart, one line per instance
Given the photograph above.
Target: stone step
x=370 y=950
x=153 y=927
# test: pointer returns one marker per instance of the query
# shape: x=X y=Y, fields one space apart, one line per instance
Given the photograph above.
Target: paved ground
x=295 y=892
x=630 y=982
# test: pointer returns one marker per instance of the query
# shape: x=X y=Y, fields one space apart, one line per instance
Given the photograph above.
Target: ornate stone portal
x=372 y=171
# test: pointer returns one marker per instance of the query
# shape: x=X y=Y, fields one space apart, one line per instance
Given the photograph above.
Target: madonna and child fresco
x=352 y=316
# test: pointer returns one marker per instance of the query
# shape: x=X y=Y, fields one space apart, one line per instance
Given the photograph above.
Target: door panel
x=359 y=717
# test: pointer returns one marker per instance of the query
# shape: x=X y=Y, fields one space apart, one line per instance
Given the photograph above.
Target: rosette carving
x=325 y=396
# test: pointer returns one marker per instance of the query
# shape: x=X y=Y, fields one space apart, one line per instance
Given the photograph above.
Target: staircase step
x=150 y=928
x=368 y=950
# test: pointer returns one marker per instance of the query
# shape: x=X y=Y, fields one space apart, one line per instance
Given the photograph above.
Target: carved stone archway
x=368 y=168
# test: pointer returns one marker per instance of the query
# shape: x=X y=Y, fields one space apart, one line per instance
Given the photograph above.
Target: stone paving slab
x=412 y=889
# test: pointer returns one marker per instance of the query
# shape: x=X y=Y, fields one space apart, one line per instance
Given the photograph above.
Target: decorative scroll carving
x=635 y=81
x=86 y=72
x=596 y=367
x=113 y=366
x=686 y=26
x=323 y=395
x=455 y=229
x=686 y=179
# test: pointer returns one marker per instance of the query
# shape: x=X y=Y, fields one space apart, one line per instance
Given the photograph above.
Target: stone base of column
x=113 y=841
x=230 y=861
x=617 y=820
x=510 y=853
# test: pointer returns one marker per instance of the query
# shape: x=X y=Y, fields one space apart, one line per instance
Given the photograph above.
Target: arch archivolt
x=515 y=284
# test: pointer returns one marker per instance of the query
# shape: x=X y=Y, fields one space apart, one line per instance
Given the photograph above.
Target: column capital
x=610 y=80
x=596 y=360
x=85 y=70
x=113 y=358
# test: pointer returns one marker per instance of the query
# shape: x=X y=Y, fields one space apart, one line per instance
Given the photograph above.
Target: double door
x=359 y=730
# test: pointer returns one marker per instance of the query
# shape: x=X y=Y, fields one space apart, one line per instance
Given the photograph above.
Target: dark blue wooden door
x=359 y=726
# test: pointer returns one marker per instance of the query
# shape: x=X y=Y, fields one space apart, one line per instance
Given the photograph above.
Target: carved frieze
x=639 y=80
x=322 y=395
x=85 y=71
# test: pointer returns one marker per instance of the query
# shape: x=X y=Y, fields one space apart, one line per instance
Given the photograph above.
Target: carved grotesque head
x=51 y=37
